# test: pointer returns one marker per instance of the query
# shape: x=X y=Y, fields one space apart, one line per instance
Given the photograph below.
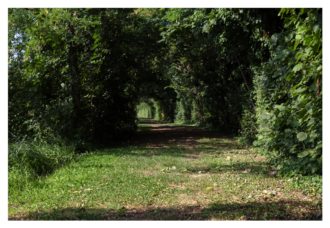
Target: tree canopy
x=79 y=74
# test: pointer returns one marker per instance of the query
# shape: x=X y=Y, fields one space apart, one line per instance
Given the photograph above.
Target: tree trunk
x=75 y=80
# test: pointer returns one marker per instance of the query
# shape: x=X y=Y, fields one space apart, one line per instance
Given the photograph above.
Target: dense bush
x=289 y=95
x=248 y=129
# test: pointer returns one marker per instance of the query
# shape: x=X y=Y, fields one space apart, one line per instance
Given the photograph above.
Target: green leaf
x=206 y=28
x=280 y=107
x=301 y=136
x=297 y=67
x=305 y=153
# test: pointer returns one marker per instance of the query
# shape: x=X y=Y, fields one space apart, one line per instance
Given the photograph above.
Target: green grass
x=216 y=179
x=30 y=160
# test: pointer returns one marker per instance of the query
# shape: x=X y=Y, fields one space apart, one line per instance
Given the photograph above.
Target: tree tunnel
x=118 y=58
x=88 y=74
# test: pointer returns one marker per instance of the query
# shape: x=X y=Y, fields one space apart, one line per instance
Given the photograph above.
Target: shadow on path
x=159 y=134
x=281 y=210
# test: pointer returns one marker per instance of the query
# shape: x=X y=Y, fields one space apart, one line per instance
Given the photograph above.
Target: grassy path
x=169 y=172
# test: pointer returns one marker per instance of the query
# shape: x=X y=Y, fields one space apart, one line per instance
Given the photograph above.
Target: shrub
x=289 y=96
x=248 y=127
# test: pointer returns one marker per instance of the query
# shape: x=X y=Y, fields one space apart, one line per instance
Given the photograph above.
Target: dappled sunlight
x=165 y=114
x=215 y=178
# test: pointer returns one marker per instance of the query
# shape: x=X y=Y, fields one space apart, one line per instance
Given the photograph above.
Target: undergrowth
x=31 y=160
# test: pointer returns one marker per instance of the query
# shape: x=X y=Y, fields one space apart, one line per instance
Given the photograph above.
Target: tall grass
x=31 y=160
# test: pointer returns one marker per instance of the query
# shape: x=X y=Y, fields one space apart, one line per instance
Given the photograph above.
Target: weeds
x=30 y=160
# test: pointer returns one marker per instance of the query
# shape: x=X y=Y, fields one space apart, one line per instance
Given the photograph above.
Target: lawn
x=169 y=173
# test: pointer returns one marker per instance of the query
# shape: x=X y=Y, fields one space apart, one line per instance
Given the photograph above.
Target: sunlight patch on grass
x=138 y=181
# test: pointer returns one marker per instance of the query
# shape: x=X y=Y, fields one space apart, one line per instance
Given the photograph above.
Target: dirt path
x=156 y=134
x=168 y=172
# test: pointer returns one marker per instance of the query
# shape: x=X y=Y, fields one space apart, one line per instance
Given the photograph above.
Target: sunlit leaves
x=301 y=136
x=289 y=87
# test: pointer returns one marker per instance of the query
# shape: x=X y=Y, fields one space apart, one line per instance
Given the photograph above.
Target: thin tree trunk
x=75 y=80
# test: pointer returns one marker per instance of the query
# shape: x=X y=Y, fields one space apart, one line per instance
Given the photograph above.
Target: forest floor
x=169 y=172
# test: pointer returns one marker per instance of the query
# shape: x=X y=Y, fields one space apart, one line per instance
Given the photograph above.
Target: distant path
x=154 y=133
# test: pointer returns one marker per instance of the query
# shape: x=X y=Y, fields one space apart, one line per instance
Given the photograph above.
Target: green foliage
x=308 y=184
x=147 y=109
x=31 y=160
x=144 y=111
x=38 y=158
x=289 y=94
x=208 y=75
x=248 y=127
x=71 y=74
x=79 y=74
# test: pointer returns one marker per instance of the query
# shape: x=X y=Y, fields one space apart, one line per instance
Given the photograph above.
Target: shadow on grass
x=280 y=210
x=219 y=143
x=147 y=152
x=171 y=150
x=255 y=167
x=159 y=133
x=258 y=168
